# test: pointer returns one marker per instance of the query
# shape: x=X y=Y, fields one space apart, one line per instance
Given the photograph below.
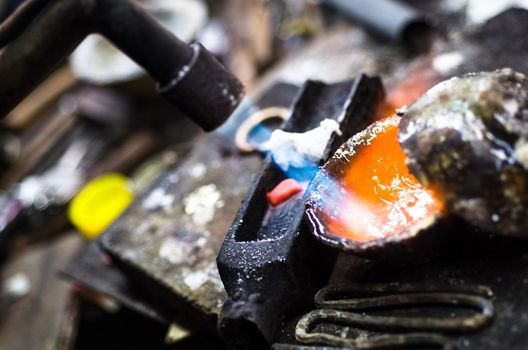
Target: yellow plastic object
x=99 y=203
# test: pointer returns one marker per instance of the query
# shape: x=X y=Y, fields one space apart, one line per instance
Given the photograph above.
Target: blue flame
x=260 y=134
x=304 y=174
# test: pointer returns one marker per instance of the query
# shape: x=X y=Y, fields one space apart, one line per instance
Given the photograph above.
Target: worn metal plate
x=174 y=233
x=92 y=269
x=170 y=237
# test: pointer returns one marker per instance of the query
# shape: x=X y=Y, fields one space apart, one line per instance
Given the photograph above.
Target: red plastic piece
x=283 y=191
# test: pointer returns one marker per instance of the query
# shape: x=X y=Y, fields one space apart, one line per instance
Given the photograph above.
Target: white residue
x=58 y=184
x=175 y=252
x=445 y=63
x=521 y=152
x=173 y=178
x=198 y=170
x=17 y=285
x=300 y=149
x=158 y=199
x=511 y=106
x=195 y=280
x=201 y=204
x=495 y=217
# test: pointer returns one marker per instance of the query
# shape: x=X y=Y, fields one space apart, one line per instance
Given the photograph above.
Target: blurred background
x=95 y=137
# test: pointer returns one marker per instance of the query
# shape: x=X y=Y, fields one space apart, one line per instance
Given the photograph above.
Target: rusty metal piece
x=266 y=262
x=467 y=139
x=347 y=306
x=188 y=75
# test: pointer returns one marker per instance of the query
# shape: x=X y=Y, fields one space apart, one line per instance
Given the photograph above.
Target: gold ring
x=255 y=119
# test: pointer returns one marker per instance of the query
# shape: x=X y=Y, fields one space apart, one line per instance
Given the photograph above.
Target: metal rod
x=37 y=52
x=24 y=14
x=142 y=38
x=189 y=76
x=390 y=19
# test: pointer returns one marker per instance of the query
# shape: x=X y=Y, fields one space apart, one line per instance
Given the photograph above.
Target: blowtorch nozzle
x=204 y=90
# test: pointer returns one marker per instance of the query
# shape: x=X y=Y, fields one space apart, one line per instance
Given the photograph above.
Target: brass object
x=254 y=120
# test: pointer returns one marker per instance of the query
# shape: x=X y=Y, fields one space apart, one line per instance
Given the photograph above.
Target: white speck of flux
x=17 y=285
x=300 y=149
x=201 y=204
x=446 y=62
x=174 y=251
x=198 y=170
x=158 y=199
x=195 y=280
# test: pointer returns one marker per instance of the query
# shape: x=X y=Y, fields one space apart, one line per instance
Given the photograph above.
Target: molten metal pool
x=366 y=192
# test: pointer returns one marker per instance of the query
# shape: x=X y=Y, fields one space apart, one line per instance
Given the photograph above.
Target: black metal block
x=269 y=264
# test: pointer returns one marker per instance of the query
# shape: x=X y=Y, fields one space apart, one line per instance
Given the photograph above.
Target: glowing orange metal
x=382 y=197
